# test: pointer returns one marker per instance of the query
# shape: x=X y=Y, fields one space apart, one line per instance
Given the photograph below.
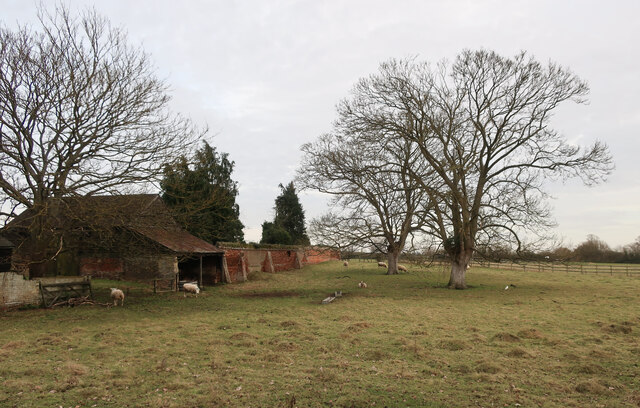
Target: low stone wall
x=15 y=290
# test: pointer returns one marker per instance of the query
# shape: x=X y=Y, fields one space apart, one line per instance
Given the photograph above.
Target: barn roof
x=179 y=241
x=145 y=214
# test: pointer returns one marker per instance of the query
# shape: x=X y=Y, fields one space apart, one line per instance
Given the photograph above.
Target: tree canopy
x=482 y=125
x=81 y=111
x=377 y=204
x=288 y=226
x=202 y=195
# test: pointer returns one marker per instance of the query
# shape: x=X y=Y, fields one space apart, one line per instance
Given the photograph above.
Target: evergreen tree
x=202 y=195
x=288 y=225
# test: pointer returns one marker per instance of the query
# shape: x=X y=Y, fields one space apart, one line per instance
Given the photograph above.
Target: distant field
x=553 y=340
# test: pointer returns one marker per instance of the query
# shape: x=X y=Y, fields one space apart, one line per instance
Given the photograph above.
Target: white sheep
x=402 y=268
x=191 y=287
x=345 y=263
x=382 y=264
x=117 y=294
x=362 y=285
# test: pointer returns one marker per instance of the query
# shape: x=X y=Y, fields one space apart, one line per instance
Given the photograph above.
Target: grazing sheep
x=117 y=294
x=345 y=263
x=191 y=287
x=382 y=264
x=362 y=285
x=402 y=268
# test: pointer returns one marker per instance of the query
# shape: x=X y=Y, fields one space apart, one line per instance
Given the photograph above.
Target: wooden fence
x=55 y=292
x=631 y=270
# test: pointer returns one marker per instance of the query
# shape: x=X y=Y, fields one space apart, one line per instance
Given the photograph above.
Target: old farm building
x=131 y=237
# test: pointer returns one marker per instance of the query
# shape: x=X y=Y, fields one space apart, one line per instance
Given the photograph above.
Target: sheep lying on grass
x=192 y=288
x=382 y=264
x=402 y=268
x=362 y=285
x=117 y=294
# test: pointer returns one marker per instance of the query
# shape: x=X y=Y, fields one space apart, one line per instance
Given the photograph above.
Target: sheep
x=402 y=268
x=191 y=287
x=117 y=294
x=382 y=264
x=362 y=285
x=345 y=263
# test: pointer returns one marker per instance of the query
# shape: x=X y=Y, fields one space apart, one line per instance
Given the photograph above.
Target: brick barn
x=130 y=237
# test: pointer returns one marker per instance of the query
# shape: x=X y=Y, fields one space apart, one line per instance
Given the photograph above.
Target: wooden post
x=41 y=293
x=155 y=286
x=200 y=280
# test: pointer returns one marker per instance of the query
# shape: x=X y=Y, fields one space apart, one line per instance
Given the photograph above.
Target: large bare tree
x=377 y=204
x=81 y=112
x=482 y=124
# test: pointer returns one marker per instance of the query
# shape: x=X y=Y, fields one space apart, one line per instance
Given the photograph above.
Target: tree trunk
x=392 y=262
x=458 y=272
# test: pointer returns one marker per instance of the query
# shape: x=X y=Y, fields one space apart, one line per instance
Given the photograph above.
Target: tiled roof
x=178 y=240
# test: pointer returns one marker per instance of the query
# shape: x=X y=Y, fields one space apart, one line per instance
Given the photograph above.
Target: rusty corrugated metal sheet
x=178 y=240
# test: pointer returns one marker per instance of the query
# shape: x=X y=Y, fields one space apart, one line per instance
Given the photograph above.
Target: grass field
x=553 y=340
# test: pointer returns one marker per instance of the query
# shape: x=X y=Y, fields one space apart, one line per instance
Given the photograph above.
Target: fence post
x=611 y=269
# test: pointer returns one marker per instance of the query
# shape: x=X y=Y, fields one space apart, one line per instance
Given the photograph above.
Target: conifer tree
x=202 y=195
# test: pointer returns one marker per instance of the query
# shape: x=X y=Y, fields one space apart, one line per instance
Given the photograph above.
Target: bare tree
x=81 y=111
x=376 y=201
x=483 y=126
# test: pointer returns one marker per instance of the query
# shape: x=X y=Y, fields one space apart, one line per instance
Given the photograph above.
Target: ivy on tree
x=202 y=195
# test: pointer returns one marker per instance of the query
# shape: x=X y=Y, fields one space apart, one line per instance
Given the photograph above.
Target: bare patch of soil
x=275 y=294
x=519 y=352
x=506 y=337
x=530 y=334
x=617 y=328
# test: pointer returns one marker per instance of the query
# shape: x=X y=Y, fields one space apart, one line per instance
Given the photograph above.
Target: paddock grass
x=553 y=340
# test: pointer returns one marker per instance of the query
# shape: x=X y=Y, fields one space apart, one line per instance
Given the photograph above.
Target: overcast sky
x=265 y=76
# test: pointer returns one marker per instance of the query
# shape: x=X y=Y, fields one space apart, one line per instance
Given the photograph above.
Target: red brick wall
x=283 y=259
x=111 y=268
x=313 y=255
x=234 y=263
